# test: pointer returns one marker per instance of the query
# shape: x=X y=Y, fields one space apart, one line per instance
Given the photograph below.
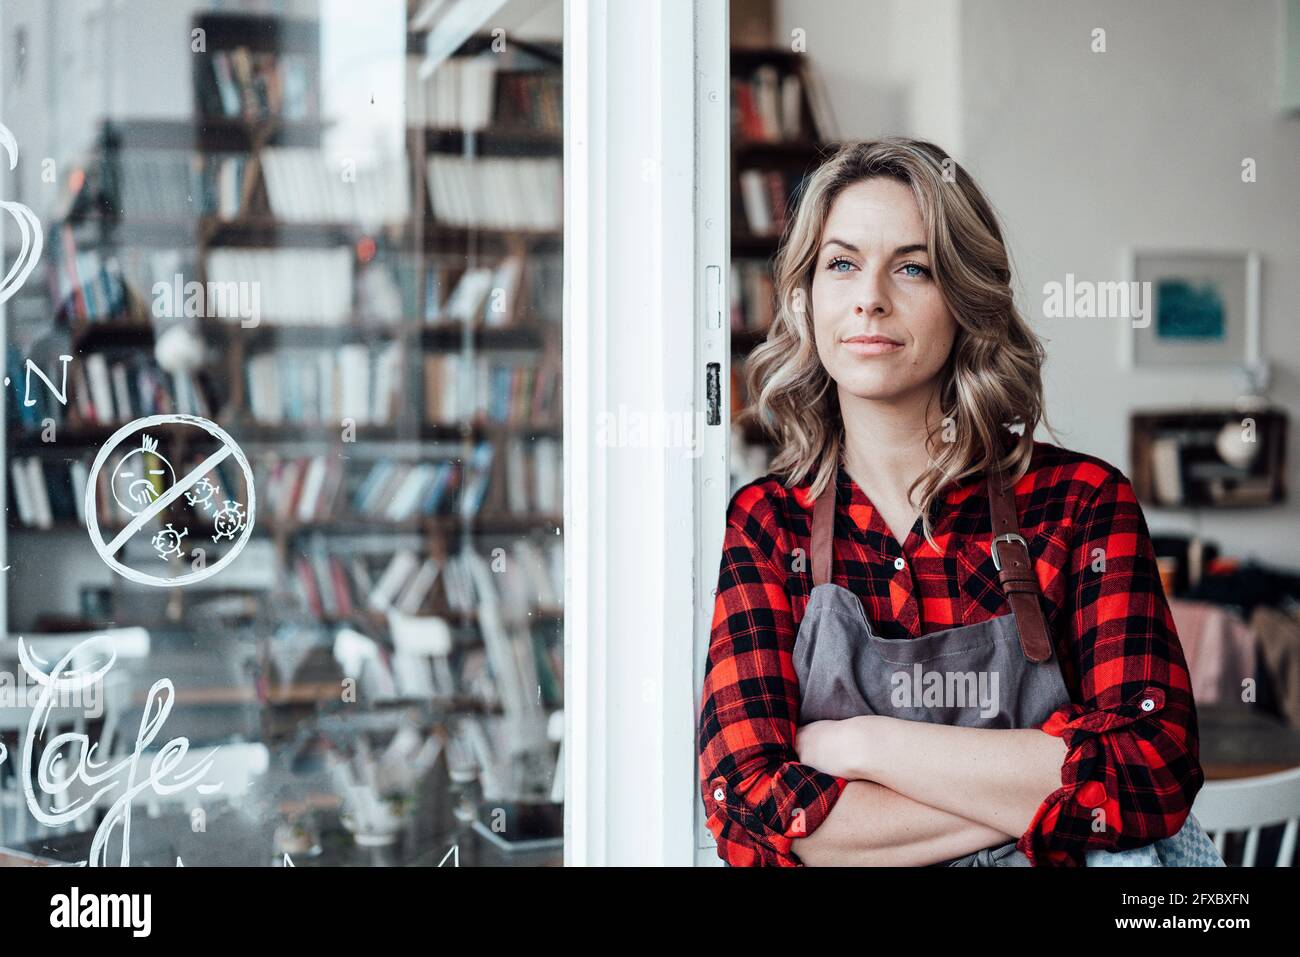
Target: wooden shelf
x=259 y=32
x=1207 y=481
x=549 y=50
x=266 y=231
x=781 y=152
x=750 y=246
x=456 y=619
x=326 y=433
x=743 y=341
x=784 y=157
x=495 y=141
x=441 y=238
x=92 y=336
x=210 y=133
x=482 y=524
x=442 y=525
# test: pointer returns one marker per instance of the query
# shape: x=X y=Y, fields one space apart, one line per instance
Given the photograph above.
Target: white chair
x=235 y=769
x=1248 y=804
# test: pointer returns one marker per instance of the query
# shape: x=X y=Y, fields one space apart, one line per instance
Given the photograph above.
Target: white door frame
x=640 y=80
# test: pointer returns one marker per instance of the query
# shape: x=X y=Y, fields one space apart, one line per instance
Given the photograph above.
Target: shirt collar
x=875 y=531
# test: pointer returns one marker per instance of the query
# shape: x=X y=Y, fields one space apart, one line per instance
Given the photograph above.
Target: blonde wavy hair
x=992 y=378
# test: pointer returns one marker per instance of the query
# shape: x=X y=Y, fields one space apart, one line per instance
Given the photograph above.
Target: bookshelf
x=781 y=130
x=1209 y=458
x=399 y=395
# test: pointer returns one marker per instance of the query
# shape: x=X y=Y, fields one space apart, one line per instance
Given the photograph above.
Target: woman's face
x=872 y=278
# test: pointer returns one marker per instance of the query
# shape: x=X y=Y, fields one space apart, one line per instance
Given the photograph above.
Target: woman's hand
x=841 y=748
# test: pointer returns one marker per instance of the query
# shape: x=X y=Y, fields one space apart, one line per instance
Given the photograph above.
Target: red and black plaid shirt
x=1113 y=632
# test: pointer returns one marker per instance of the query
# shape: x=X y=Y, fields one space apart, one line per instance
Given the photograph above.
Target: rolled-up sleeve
x=1132 y=766
x=758 y=797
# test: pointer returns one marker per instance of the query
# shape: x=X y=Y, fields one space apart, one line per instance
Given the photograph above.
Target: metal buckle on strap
x=1006 y=537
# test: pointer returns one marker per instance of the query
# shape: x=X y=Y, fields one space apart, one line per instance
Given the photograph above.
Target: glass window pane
x=297 y=477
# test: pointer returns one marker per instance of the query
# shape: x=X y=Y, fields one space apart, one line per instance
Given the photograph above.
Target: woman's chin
x=876 y=388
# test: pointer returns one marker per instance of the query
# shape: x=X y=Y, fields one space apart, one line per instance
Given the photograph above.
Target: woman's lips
x=861 y=348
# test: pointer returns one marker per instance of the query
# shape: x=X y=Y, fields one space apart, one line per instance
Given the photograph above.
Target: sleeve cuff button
x=1148 y=704
x=719 y=795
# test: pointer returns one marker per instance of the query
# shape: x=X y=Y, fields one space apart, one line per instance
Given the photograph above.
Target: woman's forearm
x=997 y=777
x=871 y=825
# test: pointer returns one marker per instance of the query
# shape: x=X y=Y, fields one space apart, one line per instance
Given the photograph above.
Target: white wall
x=889 y=66
x=1085 y=154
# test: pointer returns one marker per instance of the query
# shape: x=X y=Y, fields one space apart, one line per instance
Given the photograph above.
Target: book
x=459 y=94
x=400 y=568
x=324 y=386
x=303 y=185
x=496 y=192
x=258 y=85
x=280 y=286
x=768 y=105
x=417 y=590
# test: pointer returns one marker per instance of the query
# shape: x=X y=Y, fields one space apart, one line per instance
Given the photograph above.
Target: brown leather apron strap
x=823 y=529
x=1010 y=552
x=1016 y=573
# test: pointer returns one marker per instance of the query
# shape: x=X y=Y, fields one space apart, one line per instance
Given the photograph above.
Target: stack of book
x=532 y=100
x=258 y=85
x=778 y=99
x=85 y=284
x=480 y=293
x=44 y=491
x=176 y=186
x=497 y=388
x=325 y=386
x=298 y=489
x=289 y=286
x=765 y=199
x=338 y=584
x=496 y=192
x=753 y=296
x=107 y=391
x=395 y=491
x=544 y=278
x=459 y=94
x=333 y=582
x=472 y=93
x=767 y=107
x=532 y=476
x=303 y=186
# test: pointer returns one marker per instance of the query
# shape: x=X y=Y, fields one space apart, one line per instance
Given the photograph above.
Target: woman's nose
x=872 y=299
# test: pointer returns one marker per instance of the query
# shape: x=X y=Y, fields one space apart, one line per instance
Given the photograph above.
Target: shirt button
x=1147 y=704
x=719 y=795
x=899 y=563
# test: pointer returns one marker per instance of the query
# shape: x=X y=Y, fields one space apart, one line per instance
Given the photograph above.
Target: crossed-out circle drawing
x=144 y=492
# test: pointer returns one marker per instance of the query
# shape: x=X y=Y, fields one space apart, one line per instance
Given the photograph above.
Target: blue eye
x=921 y=270
x=838 y=261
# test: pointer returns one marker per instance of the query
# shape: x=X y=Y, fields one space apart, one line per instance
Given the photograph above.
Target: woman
x=931 y=702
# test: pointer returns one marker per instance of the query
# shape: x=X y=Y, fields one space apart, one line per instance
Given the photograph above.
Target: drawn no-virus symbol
x=144 y=484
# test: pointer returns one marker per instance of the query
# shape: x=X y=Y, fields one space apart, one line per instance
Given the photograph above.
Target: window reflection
x=336 y=234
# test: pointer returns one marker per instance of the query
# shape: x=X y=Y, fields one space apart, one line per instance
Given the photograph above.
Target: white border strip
x=629 y=513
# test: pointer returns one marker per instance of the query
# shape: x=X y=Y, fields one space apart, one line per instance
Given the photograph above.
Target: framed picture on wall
x=1200 y=309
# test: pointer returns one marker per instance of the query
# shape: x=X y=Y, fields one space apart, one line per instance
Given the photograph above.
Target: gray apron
x=999 y=673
